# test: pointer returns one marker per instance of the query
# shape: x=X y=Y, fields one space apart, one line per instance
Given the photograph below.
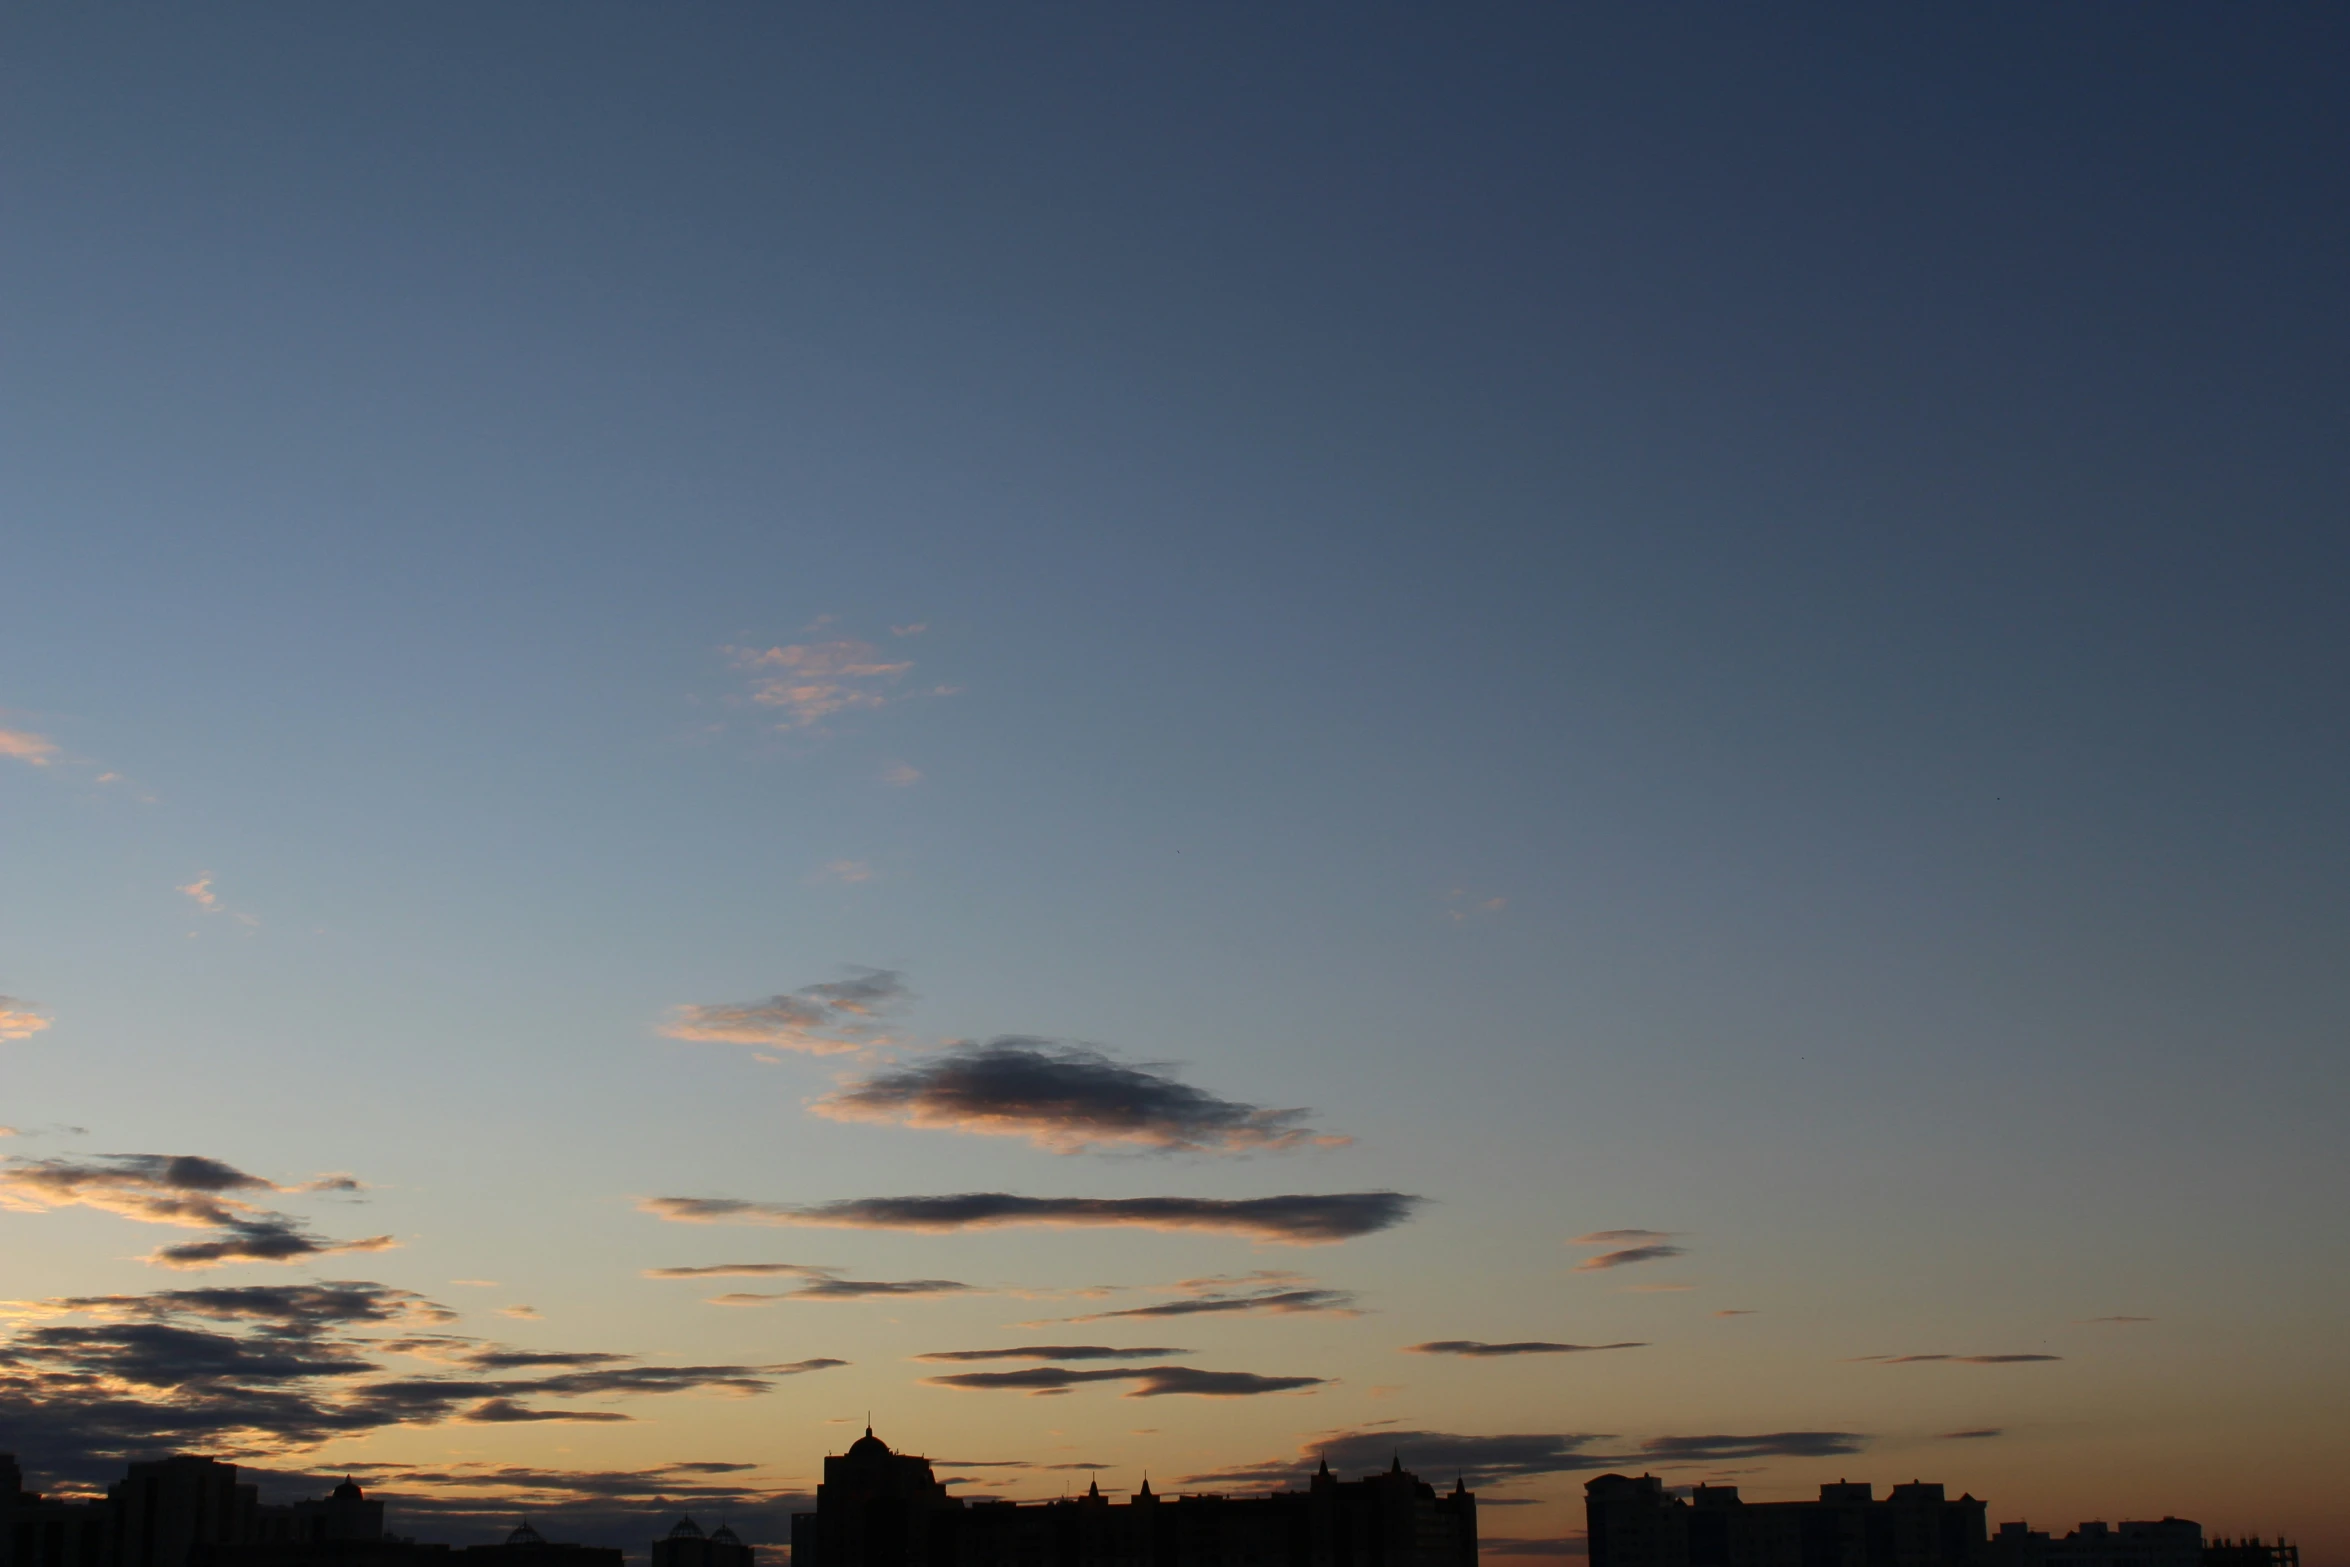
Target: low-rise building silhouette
x=877 y=1508
x=1637 y=1522
x=686 y=1546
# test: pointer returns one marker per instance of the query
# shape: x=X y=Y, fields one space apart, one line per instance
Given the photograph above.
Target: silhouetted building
x=526 y=1547
x=876 y=1508
x=2172 y=1542
x=2251 y=1553
x=1638 y=1523
x=38 y=1531
x=686 y=1546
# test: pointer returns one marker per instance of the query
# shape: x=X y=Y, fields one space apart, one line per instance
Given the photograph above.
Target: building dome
x=723 y=1535
x=524 y=1534
x=869 y=1446
x=348 y=1491
x=685 y=1529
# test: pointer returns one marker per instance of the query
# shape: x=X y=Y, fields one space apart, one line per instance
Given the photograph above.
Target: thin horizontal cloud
x=1263 y=1303
x=1737 y=1311
x=1150 y=1381
x=821 y=1283
x=1301 y=1220
x=303 y=1306
x=504 y=1411
x=2088 y=1320
x=186 y=1190
x=1622 y=1237
x=19 y=1019
x=1982 y=1435
x=1957 y=1360
x=1054 y=1352
x=1768 y=1444
x=1628 y=1256
x=833 y=1018
x=901 y=775
x=1471 y=1347
x=806 y=683
x=1066 y=1098
x=1557 y=1545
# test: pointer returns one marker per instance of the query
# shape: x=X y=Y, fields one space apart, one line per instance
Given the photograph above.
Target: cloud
x=1626 y=1257
x=1270 y=1303
x=188 y=1190
x=809 y=682
x=504 y=1411
x=1622 y=1237
x=901 y=775
x=1561 y=1545
x=18 y=1020
x=845 y=873
x=2085 y=1320
x=1737 y=1311
x=832 y=1018
x=822 y=1283
x=1464 y=1346
x=521 y=1313
x=1053 y=1352
x=1769 y=1444
x=1984 y=1434
x=1957 y=1360
x=1300 y=1220
x=278 y=1368
x=201 y=894
x=22 y=745
x=1065 y=1099
x=1150 y=1381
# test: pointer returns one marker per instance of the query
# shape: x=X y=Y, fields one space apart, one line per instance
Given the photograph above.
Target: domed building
x=686 y=1546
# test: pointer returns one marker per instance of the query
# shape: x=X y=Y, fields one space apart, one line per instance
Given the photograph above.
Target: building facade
x=878 y=1508
x=686 y=1546
x=1637 y=1522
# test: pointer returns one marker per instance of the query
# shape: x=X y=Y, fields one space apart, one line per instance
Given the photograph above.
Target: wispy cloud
x=200 y=893
x=2085 y=1320
x=22 y=745
x=1473 y=1348
x=1054 y=1352
x=1983 y=1435
x=1768 y=1444
x=1956 y=1360
x=1150 y=1381
x=270 y=1369
x=842 y=873
x=1737 y=1311
x=1628 y=1256
x=901 y=775
x=806 y=683
x=832 y=1018
x=187 y=1190
x=1622 y=1237
x=821 y=1283
x=1066 y=1098
x=19 y=1019
x=1300 y=1220
x=1479 y=1458
x=504 y=1411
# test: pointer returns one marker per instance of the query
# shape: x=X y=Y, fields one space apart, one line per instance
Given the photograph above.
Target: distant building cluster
x=1640 y=1523
x=877 y=1508
x=194 y=1512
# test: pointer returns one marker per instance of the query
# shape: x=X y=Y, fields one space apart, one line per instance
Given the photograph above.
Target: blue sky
x=1717 y=623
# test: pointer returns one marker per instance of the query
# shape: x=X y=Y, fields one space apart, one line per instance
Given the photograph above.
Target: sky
x=1550 y=738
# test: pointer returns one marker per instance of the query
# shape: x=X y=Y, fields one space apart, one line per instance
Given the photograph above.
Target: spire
x=1144 y=1493
x=1093 y=1488
x=1395 y=1465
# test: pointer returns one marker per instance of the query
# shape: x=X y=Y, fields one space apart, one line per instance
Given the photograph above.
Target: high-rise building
x=1638 y=1523
x=877 y=1508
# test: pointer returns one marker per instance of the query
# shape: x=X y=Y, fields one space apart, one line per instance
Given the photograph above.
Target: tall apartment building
x=877 y=1508
x=1636 y=1522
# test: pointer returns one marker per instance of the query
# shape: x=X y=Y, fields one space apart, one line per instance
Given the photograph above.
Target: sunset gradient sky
x=1562 y=738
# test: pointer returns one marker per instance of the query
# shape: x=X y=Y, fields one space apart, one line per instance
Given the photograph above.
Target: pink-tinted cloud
x=1622 y=1237
x=1626 y=1257
x=809 y=682
x=18 y=1020
x=22 y=745
x=201 y=894
x=901 y=775
x=833 y=1018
